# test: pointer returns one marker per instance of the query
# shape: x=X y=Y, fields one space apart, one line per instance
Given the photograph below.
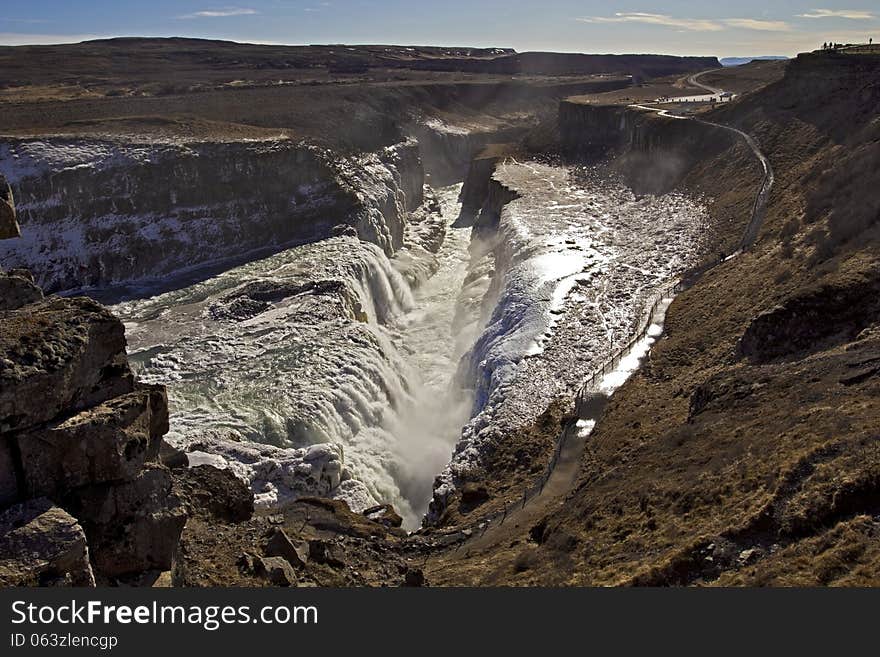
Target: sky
x=742 y=28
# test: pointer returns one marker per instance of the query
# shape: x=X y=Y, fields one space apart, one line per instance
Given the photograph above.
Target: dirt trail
x=479 y=552
x=760 y=207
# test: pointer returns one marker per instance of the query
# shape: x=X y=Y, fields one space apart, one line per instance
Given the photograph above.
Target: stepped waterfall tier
x=316 y=371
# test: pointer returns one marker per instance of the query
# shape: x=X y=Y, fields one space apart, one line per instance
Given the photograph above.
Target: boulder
x=8 y=224
x=219 y=492
x=276 y=570
x=42 y=545
x=108 y=443
x=325 y=552
x=749 y=556
x=131 y=527
x=17 y=291
x=171 y=456
x=59 y=356
x=385 y=515
x=280 y=545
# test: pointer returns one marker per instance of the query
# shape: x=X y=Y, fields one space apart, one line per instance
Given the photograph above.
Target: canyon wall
x=96 y=212
x=653 y=152
x=656 y=154
x=746 y=453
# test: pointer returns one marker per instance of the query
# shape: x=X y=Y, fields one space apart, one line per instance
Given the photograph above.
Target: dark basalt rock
x=280 y=545
x=276 y=570
x=385 y=515
x=58 y=357
x=107 y=443
x=131 y=527
x=76 y=432
x=254 y=298
x=17 y=289
x=8 y=223
x=42 y=545
x=205 y=489
x=813 y=320
x=238 y=309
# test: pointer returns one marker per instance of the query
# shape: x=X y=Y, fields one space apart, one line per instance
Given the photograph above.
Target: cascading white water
x=319 y=371
x=320 y=344
x=432 y=338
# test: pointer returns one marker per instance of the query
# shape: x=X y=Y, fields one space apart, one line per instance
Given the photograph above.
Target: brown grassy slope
x=746 y=78
x=755 y=461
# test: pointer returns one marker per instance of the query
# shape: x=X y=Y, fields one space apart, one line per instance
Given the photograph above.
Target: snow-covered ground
x=575 y=260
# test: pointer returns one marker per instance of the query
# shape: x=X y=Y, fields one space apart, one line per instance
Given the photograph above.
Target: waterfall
x=320 y=345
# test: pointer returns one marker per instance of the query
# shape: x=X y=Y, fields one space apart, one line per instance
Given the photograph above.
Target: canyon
x=331 y=337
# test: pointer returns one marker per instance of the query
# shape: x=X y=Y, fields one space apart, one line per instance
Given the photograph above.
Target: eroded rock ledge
x=83 y=498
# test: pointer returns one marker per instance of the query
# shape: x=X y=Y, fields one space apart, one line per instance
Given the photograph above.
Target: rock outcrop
x=82 y=495
x=475 y=190
x=8 y=223
x=42 y=545
x=17 y=289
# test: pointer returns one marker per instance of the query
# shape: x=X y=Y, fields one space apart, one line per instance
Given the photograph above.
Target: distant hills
x=739 y=61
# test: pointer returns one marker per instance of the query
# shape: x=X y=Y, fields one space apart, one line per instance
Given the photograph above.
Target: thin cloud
x=220 y=13
x=754 y=24
x=852 y=14
x=692 y=24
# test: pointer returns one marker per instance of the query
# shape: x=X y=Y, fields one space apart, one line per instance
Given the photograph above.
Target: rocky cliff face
x=82 y=493
x=656 y=152
x=448 y=151
x=478 y=184
x=96 y=212
x=8 y=224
